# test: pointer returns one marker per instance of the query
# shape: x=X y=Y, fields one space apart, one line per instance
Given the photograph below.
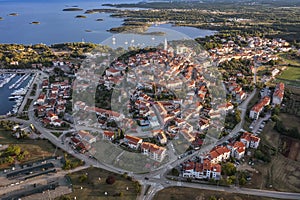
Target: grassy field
x=57 y=134
x=282 y=173
x=179 y=193
x=38 y=149
x=290 y=76
x=290 y=120
x=92 y=188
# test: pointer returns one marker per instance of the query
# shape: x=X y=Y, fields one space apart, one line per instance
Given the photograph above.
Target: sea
x=58 y=26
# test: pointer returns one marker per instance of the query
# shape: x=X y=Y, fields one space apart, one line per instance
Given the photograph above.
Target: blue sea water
x=57 y=26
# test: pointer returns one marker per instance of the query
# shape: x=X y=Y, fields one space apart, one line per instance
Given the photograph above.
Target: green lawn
x=290 y=74
x=57 y=134
x=92 y=188
x=38 y=149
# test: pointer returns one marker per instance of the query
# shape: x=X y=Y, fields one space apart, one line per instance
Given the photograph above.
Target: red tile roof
x=109 y=133
x=134 y=140
x=261 y=104
x=153 y=148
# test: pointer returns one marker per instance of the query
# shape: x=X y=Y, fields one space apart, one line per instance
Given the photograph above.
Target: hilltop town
x=203 y=118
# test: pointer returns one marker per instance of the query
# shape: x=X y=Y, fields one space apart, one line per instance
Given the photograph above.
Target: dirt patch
x=270 y=135
x=290 y=148
x=179 y=193
x=290 y=120
x=285 y=174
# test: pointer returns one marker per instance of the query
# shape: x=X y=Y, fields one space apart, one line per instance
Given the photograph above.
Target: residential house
x=258 y=108
x=153 y=151
x=204 y=170
x=86 y=136
x=132 y=141
x=219 y=154
x=278 y=94
x=250 y=140
x=161 y=136
x=237 y=150
x=109 y=135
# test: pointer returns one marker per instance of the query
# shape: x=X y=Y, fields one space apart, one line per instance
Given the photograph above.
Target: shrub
x=110 y=180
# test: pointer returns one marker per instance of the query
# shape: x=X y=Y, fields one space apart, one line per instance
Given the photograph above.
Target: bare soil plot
x=179 y=193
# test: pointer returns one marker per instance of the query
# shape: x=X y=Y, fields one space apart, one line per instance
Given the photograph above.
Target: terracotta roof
x=134 y=140
x=189 y=166
x=246 y=136
x=112 y=70
x=216 y=168
x=109 y=133
x=261 y=104
x=153 y=148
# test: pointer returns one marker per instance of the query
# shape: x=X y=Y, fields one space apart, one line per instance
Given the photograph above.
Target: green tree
x=242 y=181
x=83 y=178
x=9 y=159
x=228 y=169
x=212 y=198
x=14 y=150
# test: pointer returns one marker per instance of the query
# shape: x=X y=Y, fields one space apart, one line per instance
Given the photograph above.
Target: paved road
x=157 y=177
x=239 y=127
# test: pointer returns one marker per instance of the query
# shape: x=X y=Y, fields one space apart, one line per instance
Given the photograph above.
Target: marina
x=19 y=81
x=5 y=79
x=13 y=95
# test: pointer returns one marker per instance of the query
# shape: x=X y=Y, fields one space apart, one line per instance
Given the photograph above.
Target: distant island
x=101 y=10
x=34 y=22
x=73 y=9
x=156 y=33
x=13 y=14
x=1 y=18
x=99 y=20
x=80 y=16
x=88 y=31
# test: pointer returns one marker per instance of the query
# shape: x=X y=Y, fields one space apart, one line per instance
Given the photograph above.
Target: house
x=45 y=84
x=278 y=94
x=237 y=150
x=132 y=141
x=109 y=135
x=240 y=96
x=153 y=151
x=250 y=140
x=51 y=116
x=86 y=136
x=41 y=99
x=60 y=109
x=203 y=123
x=112 y=72
x=225 y=107
x=216 y=171
x=161 y=136
x=204 y=170
x=219 y=154
x=56 y=122
x=257 y=108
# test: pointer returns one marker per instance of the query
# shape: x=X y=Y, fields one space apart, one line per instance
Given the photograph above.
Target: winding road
x=157 y=178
